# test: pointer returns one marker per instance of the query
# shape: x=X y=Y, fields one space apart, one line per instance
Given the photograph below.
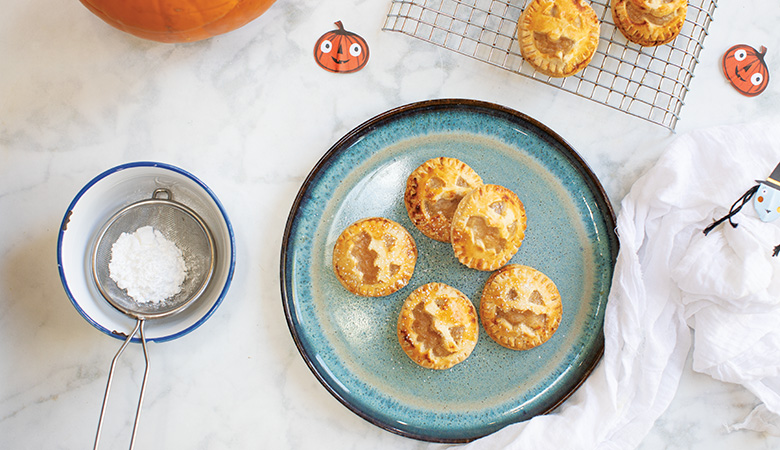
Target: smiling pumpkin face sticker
x=746 y=69
x=341 y=51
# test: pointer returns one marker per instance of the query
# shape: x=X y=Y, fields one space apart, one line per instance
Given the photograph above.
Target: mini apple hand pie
x=437 y=326
x=520 y=307
x=649 y=22
x=558 y=37
x=374 y=257
x=488 y=227
x=433 y=191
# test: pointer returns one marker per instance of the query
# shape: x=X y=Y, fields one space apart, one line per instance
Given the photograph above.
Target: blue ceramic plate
x=350 y=343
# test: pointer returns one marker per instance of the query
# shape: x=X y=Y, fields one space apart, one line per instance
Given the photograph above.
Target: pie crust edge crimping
x=541 y=36
x=647 y=33
x=392 y=249
x=476 y=240
x=438 y=326
x=520 y=307
x=433 y=191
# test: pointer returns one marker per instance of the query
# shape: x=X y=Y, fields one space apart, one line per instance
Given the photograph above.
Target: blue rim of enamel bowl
x=222 y=211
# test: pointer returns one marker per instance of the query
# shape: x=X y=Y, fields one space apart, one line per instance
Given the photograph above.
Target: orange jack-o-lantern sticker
x=746 y=70
x=341 y=51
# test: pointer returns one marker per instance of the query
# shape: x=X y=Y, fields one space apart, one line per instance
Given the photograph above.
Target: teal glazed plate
x=349 y=342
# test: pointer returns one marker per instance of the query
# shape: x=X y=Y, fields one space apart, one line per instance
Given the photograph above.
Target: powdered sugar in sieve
x=149 y=267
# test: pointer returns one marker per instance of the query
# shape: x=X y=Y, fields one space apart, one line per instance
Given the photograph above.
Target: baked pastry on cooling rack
x=437 y=326
x=520 y=307
x=433 y=191
x=649 y=22
x=374 y=257
x=488 y=227
x=558 y=37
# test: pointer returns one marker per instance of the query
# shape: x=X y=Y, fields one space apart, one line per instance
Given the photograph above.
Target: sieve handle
x=162 y=191
x=139 y=327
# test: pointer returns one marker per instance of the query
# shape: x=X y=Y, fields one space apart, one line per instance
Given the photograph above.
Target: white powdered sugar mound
x=149 y=267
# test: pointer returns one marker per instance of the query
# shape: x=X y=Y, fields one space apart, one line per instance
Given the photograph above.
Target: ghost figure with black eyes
x=766 y=201
x=767 y=198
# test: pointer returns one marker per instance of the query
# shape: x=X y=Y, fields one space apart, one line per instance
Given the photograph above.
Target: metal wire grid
x=646 y=82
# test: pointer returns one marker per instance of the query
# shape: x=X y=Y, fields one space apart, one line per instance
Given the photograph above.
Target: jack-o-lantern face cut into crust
x=649 y=22
x=488 y=227
x=746 y=69
x=558 y=37
x=341 y=51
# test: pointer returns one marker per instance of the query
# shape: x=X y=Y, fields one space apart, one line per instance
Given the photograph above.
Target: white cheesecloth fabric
x=674 y=287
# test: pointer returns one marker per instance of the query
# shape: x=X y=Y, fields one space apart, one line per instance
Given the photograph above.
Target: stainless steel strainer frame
x=142 y=315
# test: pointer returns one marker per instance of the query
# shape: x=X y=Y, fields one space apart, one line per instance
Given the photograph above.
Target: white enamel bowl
x=94 y=205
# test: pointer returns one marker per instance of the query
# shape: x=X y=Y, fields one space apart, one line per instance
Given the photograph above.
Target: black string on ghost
x=735 y=208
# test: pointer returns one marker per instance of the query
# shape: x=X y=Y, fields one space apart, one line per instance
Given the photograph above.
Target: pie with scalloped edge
x=488 y=227
x=649 y=22
x=558 y=37
x=433 y=191
x=374 y=257
x=520 y=307
x=438 y=326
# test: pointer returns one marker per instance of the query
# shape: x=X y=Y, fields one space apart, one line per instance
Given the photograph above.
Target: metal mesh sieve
x=180 y=225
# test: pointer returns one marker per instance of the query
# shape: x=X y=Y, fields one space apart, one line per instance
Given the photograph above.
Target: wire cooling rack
x=646 y=82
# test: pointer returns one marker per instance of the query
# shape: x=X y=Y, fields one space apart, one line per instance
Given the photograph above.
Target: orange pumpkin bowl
x=175 y=21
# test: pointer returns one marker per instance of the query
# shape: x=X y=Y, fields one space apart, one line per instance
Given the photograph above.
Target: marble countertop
x=250 y=113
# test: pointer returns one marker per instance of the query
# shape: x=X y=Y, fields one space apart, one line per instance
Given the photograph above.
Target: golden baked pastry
x=649 y=22
x=520 y=307
x=558 y=37
x=433 y=191
x=437 y=326
x=374 y=257
x=488 y=227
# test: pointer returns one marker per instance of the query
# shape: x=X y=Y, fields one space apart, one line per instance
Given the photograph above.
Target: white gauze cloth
x=671 y=279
